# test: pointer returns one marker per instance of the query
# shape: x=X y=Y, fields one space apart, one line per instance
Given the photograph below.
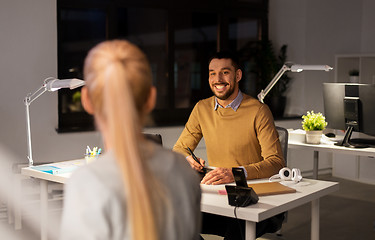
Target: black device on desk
x=239 y=176
x=240 y=195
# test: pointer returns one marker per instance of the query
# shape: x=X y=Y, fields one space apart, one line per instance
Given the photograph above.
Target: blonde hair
x=119 y=82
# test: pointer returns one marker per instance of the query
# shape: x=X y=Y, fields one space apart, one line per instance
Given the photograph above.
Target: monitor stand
x=346 y=142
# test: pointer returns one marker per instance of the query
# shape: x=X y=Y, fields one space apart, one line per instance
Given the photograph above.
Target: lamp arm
x=50 y=84
x=276 y=78
x=28 y=100
x=31 y=97
x=29 y=149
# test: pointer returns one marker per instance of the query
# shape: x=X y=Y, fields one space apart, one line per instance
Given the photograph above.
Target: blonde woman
x=136 y=190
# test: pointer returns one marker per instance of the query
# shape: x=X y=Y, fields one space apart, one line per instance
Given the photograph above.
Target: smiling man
x=224 y=78
x=239 y=131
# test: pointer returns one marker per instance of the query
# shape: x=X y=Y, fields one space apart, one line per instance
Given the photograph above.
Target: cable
x=242 y=199
x=238 y=220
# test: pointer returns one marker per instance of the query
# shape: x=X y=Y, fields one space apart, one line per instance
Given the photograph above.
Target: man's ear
x=86 y=102
x=238 y=75
x=151 y=101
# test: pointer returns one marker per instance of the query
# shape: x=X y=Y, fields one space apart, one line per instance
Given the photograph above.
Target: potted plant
x=313 y=124
x=354 y=76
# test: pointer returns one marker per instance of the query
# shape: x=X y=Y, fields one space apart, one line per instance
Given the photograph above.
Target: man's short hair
x=227 y=55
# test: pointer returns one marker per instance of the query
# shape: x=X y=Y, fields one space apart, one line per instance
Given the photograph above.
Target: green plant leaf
x=313 y=121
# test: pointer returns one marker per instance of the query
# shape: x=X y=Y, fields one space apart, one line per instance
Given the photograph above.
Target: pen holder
x=90 y=158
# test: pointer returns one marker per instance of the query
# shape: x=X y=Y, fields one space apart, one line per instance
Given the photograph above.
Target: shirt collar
x=234 y=104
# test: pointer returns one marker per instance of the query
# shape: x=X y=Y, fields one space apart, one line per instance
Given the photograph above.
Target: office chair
x=154 y=137
x=283 y=138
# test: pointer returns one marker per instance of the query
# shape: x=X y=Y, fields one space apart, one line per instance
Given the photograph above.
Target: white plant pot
x=354 y=79
x=313 y=137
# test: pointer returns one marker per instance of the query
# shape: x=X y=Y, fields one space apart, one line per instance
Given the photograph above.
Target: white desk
x=329 y=148
x=307 y=191
x=44 y=179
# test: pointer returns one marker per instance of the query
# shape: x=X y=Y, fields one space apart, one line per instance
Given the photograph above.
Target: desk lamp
x=292 y=68
x=50 y=84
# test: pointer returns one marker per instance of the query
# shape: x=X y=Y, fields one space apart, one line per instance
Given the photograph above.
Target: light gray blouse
x=95 y=207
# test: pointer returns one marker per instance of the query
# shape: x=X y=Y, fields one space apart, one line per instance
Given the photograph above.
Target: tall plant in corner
x=267 y=65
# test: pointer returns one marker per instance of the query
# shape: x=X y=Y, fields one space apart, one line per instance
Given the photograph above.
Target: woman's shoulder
x=172 y=163
x=169 y=158
x=96 y=173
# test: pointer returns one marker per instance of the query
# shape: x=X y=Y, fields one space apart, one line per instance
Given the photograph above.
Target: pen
x=193 y=155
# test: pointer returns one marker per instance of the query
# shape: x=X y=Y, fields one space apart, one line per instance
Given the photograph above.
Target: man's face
x=223 y=78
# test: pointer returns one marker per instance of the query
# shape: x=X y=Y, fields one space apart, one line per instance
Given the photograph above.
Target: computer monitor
x=350 y=107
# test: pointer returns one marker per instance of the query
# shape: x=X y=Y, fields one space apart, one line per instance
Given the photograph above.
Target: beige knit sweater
x=246 y=137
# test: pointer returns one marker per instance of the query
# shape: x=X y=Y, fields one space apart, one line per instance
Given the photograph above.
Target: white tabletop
x=59 y=178
x=213 y=202
x=330 y=147
x=297 y=141
x=267 y=206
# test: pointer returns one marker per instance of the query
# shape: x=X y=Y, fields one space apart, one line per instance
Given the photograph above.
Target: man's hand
x=194 y=164
x=218 y=176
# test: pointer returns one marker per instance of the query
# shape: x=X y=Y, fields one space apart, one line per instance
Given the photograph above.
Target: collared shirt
x=234 y=104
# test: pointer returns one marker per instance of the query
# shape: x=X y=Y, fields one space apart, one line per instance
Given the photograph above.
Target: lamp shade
x=292 y=68
x=300 y=68
x=56 y=84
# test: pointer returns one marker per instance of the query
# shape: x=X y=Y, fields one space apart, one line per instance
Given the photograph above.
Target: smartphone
x=239 y=176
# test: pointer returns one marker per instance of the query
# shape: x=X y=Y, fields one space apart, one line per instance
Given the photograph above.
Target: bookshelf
x=364 y=63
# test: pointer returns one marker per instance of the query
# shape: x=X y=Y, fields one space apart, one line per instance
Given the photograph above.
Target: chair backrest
x=283 y=137
x=154 y=137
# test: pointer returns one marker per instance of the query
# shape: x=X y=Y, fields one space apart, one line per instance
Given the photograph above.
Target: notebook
x=271 y=188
